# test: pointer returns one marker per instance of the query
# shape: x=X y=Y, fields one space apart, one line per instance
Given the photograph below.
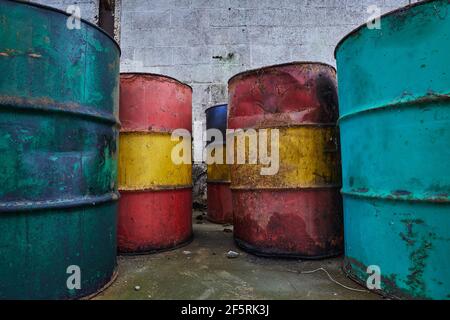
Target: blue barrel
x=394 y=98
x=220 y=207
x=216 y=118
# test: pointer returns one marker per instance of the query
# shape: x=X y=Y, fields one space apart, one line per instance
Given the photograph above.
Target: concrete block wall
x=205 y=42
x=89 y=8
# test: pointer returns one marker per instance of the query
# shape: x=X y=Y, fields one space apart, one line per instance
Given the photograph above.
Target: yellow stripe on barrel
x=145 y=163
x=308 y=158
x=219 y=172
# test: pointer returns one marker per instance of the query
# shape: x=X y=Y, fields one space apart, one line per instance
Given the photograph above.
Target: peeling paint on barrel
x=155 y=209
x=58 y=142
x=298 y=211
x=395 y=120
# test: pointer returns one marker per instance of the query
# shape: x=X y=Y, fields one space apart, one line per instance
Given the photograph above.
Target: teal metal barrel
x=394 y=98
x=58 y=151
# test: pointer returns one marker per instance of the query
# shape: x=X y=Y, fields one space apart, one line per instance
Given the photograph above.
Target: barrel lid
x=293 y=63
x=155 y=75
x=217 y=106
x=43 y=6
x=393 y=12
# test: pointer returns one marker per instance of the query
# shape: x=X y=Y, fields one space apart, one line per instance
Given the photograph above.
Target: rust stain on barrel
x=298 y=211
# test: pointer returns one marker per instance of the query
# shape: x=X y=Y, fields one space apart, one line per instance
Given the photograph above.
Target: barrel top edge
x=390 y=13
x=217 y=106
x=43 y=6
x=293 y=63
x=150 y=74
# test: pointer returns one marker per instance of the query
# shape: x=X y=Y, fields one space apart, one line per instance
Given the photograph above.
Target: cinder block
x=192 y=55
x=149 y=20
x=231 y=54
x=180 y=37
x=269 y=55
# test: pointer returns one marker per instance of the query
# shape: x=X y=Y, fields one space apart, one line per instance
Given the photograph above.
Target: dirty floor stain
x=202 y=270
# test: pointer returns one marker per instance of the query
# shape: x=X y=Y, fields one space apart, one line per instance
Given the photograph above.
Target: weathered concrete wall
x=205 y=42
x=89 y=8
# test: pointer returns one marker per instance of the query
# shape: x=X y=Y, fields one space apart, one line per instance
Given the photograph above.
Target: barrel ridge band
x=443 y=199
x=14 y=206
x=409 y=102
x=150 y=130
x=290 y=188
x=48 y=105
x=157 y=188
x=219 y=181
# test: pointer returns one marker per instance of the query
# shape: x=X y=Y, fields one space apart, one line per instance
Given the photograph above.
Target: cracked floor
x=202 y=270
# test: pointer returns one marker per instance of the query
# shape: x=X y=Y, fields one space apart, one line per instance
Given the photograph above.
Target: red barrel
x=220 y=207
x=296 y=212
x=155 y=209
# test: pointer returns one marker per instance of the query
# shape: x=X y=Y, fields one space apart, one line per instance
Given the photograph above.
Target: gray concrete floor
x=202 y=270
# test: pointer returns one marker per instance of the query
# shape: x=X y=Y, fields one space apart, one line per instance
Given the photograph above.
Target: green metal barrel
x=394 y=98
x=58 y=151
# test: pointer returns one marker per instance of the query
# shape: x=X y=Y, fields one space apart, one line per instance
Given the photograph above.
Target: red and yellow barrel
x=296 y=212
x=155 y=209
x=220 y=207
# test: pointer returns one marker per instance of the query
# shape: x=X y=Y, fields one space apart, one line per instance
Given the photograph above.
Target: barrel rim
x=217 y=106
x=293 y=63
x=46 y=7
x=183 y=243
x=155 y=75
x=389 y=13
x=267 y=252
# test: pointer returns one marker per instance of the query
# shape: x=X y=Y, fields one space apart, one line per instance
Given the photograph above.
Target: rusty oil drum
x=155 y=209
x=59 y=100
x=220 y=208
x=298 y=211
x=394 y=89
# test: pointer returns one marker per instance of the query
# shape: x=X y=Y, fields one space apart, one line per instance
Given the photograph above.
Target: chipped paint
x=394 y=125
x=296 y=212
x=308 y=156
x=58 y=143
x=155 y=207
x=36 y=55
